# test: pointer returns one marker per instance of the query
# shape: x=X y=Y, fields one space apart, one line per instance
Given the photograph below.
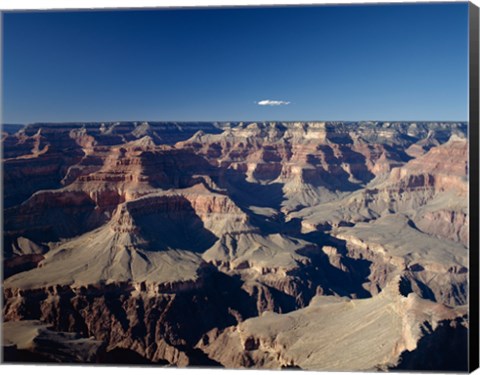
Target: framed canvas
x=254 y=187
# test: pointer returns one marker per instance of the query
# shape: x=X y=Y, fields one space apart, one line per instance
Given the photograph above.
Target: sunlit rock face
x=313 y=245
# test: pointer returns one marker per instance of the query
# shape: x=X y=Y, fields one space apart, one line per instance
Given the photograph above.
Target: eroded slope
x=241 y=244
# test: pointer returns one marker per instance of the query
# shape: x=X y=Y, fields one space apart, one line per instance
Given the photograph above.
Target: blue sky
x=371 y=62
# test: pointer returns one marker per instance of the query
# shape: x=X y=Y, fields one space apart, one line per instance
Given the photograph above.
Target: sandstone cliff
x=319 y=245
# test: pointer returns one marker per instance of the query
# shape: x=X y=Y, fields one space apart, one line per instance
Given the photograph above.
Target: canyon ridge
x=311 y=245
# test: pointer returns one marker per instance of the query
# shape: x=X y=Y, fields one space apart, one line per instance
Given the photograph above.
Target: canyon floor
x=308 y=245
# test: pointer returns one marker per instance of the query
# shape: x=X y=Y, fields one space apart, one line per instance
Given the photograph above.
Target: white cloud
x=272 y=102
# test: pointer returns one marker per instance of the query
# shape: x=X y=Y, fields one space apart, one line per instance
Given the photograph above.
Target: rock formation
x=315 y=245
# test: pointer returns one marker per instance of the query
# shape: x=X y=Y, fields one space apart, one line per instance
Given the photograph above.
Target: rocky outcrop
x=436 y=270
x=236 y=244
x=159 y=324
x=303 y=339
x=432 y=186
x=450 y=224
x=442 y=168
x=31 y=339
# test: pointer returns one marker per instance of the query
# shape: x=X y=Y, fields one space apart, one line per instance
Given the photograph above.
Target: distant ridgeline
x=12 y=128
x=172 y=132
x=176 y=242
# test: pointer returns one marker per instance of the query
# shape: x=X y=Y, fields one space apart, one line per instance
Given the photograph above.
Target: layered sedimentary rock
x=436 y=181
x=292 y=244
x=369 y=334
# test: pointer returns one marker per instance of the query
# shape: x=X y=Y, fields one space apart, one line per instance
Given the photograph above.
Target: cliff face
x=302 y=339
x=429 y=190
x=236 y=244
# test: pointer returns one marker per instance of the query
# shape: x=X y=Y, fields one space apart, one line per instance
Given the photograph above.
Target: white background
x=77 y=4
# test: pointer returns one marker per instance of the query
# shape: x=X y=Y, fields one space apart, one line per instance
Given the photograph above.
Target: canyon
x=311 y=245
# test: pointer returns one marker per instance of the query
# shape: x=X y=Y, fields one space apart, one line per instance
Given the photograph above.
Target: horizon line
x=212 y=121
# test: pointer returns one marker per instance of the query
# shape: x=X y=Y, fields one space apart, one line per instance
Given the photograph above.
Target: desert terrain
x=310 y=245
